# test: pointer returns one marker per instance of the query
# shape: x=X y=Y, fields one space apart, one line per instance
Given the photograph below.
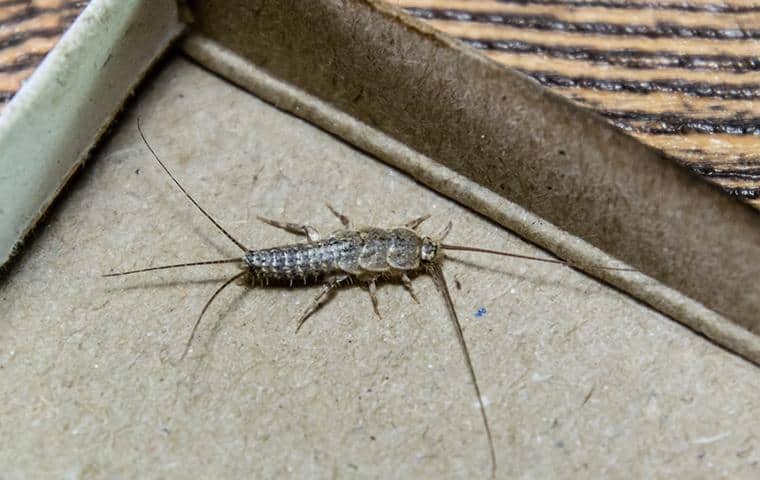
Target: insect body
x=361 y=255
x=365 y=252
x=346 y=255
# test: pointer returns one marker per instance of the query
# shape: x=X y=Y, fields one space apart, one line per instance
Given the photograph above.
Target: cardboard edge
x=50 y=126
x=504 y=132
x=486 y=202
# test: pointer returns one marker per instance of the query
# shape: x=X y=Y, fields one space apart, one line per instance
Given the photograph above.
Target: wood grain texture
x=681 y=76
x=29 y=29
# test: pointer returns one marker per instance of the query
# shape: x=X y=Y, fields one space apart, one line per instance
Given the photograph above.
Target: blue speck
x=481 y=311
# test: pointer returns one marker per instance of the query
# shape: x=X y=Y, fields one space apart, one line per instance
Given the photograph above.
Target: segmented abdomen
x=352 y=252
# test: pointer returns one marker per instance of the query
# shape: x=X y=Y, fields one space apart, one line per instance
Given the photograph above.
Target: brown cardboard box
x=580 y=379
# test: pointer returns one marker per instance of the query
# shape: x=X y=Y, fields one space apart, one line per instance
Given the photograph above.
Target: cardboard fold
x=583 y=190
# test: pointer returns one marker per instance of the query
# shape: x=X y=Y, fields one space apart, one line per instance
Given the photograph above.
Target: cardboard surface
x=475 y=196
x=508 y=134
x=580 y=380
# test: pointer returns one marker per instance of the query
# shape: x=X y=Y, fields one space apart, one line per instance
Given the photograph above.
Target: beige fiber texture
x=580 y=380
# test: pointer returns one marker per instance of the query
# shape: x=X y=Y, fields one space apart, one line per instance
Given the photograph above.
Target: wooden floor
x=680 y=75
x=28 y=31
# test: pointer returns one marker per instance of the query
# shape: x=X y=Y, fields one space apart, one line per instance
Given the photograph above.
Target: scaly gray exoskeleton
x=348 y=255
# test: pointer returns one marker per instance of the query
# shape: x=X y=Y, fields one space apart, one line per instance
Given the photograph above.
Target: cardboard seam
x=442 y=179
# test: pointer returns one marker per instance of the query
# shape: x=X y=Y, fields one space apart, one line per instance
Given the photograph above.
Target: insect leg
x=409 y=287
x=343 y=219
x=444 y=232
x=321 y=298
x=414 y=223
x=372 y=286
x=311 y=233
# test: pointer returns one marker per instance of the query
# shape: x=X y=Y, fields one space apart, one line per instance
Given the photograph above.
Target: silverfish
x=346 y=256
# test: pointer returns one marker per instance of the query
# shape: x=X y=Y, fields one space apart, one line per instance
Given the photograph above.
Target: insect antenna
x=205 y=307
x=142 y=135
x=529 y=257
x=440 y=282
x=177 y=265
